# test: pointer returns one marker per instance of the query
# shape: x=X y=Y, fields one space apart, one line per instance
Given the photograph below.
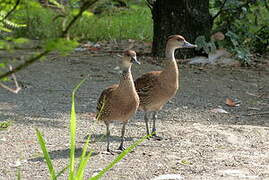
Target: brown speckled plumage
x=156 y=88
x=119 y=101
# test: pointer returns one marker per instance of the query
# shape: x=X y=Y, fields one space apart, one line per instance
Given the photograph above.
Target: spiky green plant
x=78 y=173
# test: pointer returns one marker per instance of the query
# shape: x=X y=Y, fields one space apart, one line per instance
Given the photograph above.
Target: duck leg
x=122 y=137
x=107 y=137
x=154 y=117
x=146 y=122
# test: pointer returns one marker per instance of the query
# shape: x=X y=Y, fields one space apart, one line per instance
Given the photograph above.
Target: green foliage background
x=244 y=23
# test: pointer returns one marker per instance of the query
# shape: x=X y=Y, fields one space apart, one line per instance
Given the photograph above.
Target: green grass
x=133 y=23
x=78 y=173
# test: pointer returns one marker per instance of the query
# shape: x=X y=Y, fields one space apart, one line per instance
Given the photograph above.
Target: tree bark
x=189 y=18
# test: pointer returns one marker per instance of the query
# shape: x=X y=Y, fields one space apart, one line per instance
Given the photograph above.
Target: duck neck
x=170 y=52
x=126 y=80
x=170 y=61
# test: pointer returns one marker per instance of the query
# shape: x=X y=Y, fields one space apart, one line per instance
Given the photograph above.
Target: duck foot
x=121 y=148
x=108 y=152
x=156 y=138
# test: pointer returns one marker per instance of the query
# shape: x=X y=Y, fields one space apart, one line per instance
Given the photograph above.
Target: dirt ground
x=197 y=144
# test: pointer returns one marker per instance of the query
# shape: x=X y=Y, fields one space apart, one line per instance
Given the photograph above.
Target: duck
x=119 y=102
x=156 y=88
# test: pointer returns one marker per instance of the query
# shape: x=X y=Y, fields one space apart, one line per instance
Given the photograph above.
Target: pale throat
x=125 y=71
x=126 y=76
x=170 y=52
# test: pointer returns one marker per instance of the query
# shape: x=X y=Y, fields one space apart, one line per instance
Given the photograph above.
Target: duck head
x=129 y=58
x=178 y=41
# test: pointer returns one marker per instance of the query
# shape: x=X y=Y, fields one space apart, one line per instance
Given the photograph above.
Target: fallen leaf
x=251 y=94
x=254 y=108
x=230 y=102
x=93 y=48
x=219 y=110
x=185 y=162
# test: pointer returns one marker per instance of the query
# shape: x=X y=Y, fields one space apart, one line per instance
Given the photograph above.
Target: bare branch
x=12 y=10
x=17 y=89
x=220 y=11
x=25 y=64
x=83 y=8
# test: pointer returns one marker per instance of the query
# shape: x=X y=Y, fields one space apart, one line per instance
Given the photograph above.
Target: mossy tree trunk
x=189 y=18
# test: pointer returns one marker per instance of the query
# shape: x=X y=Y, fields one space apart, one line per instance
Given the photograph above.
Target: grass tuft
x=73 y=132
x=46 y=154
x=78 y=173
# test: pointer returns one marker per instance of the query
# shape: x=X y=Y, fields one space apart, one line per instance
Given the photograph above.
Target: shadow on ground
x=62 y=154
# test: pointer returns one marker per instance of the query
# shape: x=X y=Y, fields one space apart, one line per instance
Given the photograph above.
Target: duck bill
x=189 y=45
x=135 y=61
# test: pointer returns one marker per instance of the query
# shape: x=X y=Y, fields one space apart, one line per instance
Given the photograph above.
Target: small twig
x=17 y=89
x=37 y=57
x=255 y=114
x=83 y=8
x=12 y=10
x=220 y=11
x=24 y=65
x=149 y=4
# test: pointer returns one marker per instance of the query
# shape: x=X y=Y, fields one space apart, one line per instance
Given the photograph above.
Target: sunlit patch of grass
x=135 y=23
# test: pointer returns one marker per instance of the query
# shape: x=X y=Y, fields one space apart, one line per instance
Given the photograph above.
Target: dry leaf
x=93 y=48
x=230 y=102
x=219 y=110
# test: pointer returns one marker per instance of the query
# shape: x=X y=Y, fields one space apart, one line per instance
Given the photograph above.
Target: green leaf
x=185 y=162
x=83 y=160
x=62 y=171
x=56 y=3
x=21 y=40
x=61 y=45
x=4 y=29
x=4 y=125
x=73 y=132
x=46 y=154
x=119 y=158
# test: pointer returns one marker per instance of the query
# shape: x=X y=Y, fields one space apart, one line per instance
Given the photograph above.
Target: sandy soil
x=197 y=144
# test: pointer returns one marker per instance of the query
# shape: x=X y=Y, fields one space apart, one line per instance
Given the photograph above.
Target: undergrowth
x=42 y=23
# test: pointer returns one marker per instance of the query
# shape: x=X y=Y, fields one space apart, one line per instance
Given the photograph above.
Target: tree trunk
x=189 y=18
